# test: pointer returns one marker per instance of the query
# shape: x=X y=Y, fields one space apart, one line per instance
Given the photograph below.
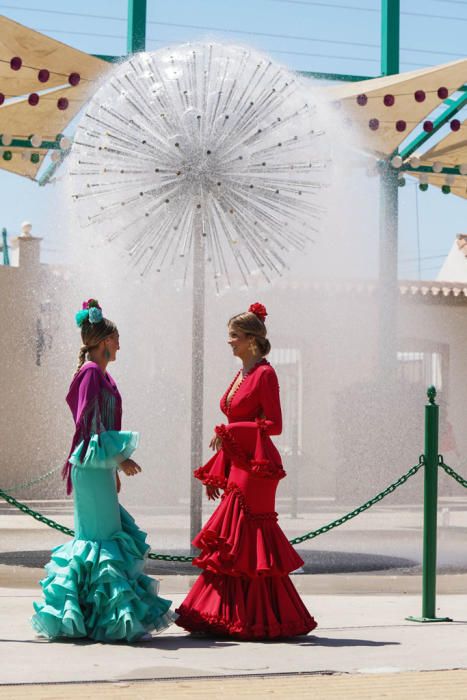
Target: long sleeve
x=106 y=450
x=97 y=447
x=88 y=414
x=270 y=403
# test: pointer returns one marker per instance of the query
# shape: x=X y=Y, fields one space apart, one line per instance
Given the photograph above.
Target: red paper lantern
x=455 y=125
x=362 y=100
x=373 y=124
x=428 y=126
x=401 y=125
x=62 y=103
x=16 y=63
x=443 y=92
x=43 y=75
x=74 y=78
x=419 y=95
x=33 y=99
x=389 y=100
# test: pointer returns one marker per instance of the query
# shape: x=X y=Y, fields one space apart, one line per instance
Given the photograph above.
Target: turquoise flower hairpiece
x=91 y=312
x=95 y=314
x=81 y=316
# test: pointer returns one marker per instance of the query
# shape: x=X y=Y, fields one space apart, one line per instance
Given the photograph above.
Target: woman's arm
x=270 y=403
x=99 y=447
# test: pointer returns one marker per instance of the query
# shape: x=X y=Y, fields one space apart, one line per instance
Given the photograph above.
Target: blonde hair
x=91 y=335
x=251 y=325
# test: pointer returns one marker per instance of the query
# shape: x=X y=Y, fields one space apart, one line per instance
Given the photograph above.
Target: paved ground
x=400 y=686
x=357 y=634
x=363 y=647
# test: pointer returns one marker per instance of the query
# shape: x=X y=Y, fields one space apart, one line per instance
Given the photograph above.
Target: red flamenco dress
x=244 y=590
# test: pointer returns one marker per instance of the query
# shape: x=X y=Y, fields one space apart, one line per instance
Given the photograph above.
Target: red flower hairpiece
x=258 y=310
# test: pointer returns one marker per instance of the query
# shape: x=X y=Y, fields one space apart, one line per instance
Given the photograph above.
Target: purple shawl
x=96 y=406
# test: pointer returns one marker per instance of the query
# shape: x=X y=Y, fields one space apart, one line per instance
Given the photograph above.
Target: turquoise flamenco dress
x=95 y=586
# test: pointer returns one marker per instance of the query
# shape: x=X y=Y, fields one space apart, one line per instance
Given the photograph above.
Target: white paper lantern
x=396 y=162
x=450 y=179
x=463 y=169
x=6 y=139
x=414 y=162
x=424 y=178
x=64 y=143
x=437 y=167
x=36 y=140
x=55 y=157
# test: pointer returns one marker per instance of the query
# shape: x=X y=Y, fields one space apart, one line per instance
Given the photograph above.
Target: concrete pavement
x=356 y=634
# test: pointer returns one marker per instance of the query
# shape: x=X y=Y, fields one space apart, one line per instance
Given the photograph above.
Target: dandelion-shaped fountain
x=201 y=154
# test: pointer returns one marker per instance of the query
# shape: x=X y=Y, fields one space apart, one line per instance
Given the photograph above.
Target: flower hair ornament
x=258 y=310
x=91 y=311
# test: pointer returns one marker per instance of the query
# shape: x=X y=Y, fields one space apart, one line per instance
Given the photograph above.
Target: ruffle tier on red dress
x=265 y=607
x=237 y=542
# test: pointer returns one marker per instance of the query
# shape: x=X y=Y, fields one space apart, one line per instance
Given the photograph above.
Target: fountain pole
x=389 y=205
x=197 y=373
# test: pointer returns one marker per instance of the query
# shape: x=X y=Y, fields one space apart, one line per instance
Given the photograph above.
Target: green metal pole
x=430 y=506
x=136 y=34
x=430 y=513
x=390 y=31
x=389 y=207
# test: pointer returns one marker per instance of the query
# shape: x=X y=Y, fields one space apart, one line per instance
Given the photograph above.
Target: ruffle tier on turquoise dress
x=95 y=586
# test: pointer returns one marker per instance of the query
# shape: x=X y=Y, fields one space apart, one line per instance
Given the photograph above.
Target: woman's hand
x=130 y=467
x=216 y=443
x=212 y=492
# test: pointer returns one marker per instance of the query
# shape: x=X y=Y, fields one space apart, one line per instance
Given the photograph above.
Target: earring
x=106 y=354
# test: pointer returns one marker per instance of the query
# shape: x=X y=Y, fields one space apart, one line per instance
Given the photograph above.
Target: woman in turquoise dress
x=95 y=586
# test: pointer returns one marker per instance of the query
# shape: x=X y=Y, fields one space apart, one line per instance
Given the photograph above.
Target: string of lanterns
x=437 y=167
x=43 y=76
x=428 y=126
x=36 y=141
x=401 y=125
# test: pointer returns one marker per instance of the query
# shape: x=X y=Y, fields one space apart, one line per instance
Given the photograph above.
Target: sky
x=341 y=36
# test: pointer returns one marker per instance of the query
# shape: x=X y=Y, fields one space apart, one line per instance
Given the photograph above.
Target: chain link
x=37 y=480
x=297 y=540
x=449 y=470
x=353 y=513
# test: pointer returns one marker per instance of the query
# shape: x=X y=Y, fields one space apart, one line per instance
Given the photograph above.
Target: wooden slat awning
x=459 y=186
x=18 y=118
x=403 y=88
x=452 y=150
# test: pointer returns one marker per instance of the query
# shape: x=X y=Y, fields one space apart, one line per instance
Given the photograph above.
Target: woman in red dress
x=244 y=590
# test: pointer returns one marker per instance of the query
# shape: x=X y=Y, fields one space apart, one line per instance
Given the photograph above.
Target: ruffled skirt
x=97 y=589
x=245 y=590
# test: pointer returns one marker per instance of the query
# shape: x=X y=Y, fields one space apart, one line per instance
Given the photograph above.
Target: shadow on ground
x=316 y=562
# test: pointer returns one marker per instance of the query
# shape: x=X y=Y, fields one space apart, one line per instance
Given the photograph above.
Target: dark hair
x=253 y=326
x=91 y=335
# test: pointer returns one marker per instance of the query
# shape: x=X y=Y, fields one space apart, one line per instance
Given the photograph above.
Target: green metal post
x=389 y=206
x=136 y=34
x=390 y=31
x=6 y=257
x=430 y=513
